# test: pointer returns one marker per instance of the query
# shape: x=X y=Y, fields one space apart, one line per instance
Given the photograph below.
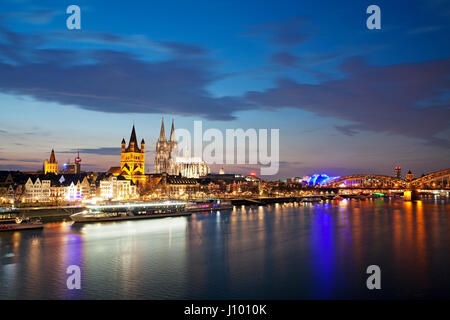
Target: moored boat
x=208 y=205
x=130 y=211
x=13 y=224
x=312 y=199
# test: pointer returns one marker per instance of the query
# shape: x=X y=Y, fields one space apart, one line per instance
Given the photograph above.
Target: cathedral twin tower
x=132 y=165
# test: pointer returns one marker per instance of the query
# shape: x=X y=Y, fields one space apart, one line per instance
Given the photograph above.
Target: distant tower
x=51 y=165
x=398 y=172
x=78 y=163
x=132 y=162
x=409 y=176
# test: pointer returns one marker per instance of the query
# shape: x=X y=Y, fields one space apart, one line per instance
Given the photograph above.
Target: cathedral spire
x=162 y=134
x=172 y=132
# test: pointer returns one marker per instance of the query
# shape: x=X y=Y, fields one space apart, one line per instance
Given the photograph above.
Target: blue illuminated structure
x=320 y=179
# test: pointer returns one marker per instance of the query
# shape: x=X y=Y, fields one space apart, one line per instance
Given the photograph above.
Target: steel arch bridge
x=435 y=180
x=368 y=181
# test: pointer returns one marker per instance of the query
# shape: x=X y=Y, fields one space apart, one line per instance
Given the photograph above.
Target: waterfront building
x=117 y=188
x=162 y=185
x=132 y=159
x=51 y=165
x=37 y=189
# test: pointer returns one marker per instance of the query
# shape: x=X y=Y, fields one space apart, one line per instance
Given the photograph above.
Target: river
x=281 y=251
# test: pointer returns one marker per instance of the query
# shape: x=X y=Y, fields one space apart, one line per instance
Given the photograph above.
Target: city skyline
x=359 y=104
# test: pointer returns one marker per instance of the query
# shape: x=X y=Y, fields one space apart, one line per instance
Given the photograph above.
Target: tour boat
x=12 y=224
x=131 y=211
x=338 y=197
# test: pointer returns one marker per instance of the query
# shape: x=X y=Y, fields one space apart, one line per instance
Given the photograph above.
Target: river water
x=281 y=251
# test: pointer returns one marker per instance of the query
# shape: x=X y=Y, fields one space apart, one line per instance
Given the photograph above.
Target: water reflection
x=279 y=251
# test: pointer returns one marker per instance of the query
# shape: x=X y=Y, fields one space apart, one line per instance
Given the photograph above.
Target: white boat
x=18 y=223
x=131 y=211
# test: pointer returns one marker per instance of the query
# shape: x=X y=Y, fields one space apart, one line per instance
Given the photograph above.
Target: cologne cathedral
x=166 y=159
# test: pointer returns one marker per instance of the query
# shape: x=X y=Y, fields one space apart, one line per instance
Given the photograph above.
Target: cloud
x=426 y=29
x=35 y=17
x=405 y=99
x=98 y=151
x=23 y=160
x=108 y=151
x=284 y=59
x=348 y=130
x=184 y=49
x=131 y=41
x=285 y=33
x=115 y=81
x=374 y=98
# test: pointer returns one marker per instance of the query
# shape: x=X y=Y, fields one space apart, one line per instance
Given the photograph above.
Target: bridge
x=432 y=181
x=436 y=180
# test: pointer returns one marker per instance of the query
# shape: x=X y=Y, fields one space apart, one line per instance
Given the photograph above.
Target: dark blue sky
x=346 y=99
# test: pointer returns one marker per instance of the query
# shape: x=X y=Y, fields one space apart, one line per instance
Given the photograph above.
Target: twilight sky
x=346 y=99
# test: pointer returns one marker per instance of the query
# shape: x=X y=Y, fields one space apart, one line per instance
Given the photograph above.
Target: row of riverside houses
x=19 y=187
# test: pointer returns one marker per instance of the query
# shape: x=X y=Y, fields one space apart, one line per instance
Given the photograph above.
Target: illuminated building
x=117 y=188
x=409 y=176
x=166 y=160
x=320 y=179
x=51 y=165
x=398 y=172
x=72 y=168
x=37 y=190
x=132 y=164
x=190 y=167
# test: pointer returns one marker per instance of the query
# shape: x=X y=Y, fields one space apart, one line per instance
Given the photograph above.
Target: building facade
x=51 y=165
x=132 y=161
x=117 y=188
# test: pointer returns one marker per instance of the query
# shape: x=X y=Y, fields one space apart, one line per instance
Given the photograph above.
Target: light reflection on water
x=290 y=251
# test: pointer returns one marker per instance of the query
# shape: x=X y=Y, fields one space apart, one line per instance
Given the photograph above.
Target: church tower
x=51 y=165
x=172 y=141
x=164 y=148
x=132 y=162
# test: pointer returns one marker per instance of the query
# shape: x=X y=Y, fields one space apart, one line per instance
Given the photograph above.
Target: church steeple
x=52 y=157
x=132 y=159
x=172 y=132
x=50 y=165
x=162 y=134
x=133 y=137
